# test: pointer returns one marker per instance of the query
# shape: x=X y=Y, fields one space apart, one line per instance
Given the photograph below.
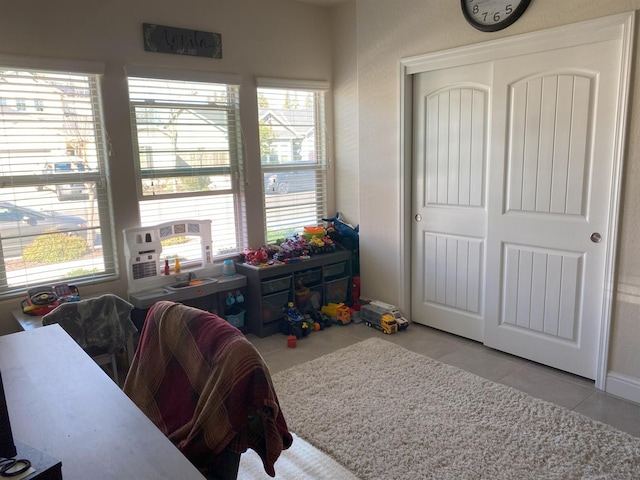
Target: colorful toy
x=355 y=293
x=294 y=322
x=41 y=300
x=344 y=229
x=261 y=256
x=323 y=320
x=378 y=317
x=394 y=311
x=339 y=312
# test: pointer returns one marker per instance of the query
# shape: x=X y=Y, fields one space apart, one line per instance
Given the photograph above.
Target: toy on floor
x=378 y=317
x=339 y=313
x=394 y=311
x=294 y=322
x=323 y=320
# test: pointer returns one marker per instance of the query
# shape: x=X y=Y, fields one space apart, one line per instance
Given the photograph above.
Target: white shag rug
x=385 y=412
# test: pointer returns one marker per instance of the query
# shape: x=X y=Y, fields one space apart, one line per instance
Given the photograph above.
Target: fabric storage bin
x=335 y=291
x=272 y=306
x=334 y=269
x=275 y=285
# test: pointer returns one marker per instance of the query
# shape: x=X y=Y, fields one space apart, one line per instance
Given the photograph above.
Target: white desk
x=61 y=403
x=27 y=322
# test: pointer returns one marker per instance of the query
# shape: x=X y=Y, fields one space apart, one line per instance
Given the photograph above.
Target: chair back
x=97 y=324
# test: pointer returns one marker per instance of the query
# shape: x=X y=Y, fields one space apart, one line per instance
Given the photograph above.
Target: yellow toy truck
x=377 y=317
x=403 y=323
x=338 y=312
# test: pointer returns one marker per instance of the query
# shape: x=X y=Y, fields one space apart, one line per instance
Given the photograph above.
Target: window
x=293 y=155
x=188 y=144
x=54 y=207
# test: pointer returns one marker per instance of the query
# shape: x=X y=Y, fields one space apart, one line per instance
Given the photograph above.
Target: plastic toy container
x=309 y=277
x=236 y=320
x=275 y=285
x=309 y=232
x=334 y=269
x=335 y=291
x=302 y=297
x=272 y=306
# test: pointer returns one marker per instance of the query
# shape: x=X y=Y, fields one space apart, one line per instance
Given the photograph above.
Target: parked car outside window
x=61 y=165
x=289 y=181
x=20 y=225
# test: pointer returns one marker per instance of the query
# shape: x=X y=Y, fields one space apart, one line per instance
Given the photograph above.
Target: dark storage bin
x=272 y=306
x=276 y=285
x=336 y=291
x=334 y=269
x=308 y=278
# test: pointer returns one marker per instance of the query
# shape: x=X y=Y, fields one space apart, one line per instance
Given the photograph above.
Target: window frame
x=98 y=177
x=320 y=166
x=235 y=168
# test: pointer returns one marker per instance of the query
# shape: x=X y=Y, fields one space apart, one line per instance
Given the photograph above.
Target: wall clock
x=493 y=15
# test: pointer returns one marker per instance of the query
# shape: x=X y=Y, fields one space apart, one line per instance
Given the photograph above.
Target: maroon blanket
x=205 y=386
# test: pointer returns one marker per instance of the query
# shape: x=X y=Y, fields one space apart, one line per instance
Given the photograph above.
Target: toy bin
x=310 y=232
x=302 y=297
x=237 y=320
x=334 y=269
x=275 y=285
x=272 y=306
x=335 y=291
x=309 y=277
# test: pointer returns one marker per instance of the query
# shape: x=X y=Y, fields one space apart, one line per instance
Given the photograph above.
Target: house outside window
x=189 y=157
x=293 y=155
x=54 y=203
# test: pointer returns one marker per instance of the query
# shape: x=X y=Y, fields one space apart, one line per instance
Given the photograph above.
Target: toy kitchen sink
x=188 y=284
x=185 y=290
x=201 y=285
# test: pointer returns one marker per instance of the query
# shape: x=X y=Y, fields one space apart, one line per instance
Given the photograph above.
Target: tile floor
x=575 y=393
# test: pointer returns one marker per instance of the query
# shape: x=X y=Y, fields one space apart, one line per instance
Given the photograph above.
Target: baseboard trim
x=623 y=386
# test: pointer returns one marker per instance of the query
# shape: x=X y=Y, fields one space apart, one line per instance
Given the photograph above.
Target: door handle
x=596 y=237
x=418 y=217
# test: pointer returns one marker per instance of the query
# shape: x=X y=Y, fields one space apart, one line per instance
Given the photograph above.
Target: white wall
x=389 y=31
x=345 y=94
x=275 y=38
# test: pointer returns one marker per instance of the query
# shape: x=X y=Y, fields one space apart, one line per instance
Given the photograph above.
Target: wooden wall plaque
x=181 y=41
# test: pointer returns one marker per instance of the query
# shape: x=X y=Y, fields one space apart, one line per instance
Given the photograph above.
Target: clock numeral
x=493 y=15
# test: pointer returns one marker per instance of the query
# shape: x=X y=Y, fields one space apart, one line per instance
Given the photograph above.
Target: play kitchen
x=173 y=261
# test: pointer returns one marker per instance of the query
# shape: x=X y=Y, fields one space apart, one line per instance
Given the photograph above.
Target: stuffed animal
x=344 y=229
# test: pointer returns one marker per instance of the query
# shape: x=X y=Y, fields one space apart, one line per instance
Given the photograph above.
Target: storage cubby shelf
x=269 y=286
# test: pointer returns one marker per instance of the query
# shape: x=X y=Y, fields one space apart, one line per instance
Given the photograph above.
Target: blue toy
x=294 y=322
x=344 y=229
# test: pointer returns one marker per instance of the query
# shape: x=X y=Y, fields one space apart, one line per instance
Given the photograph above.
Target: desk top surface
x=26 y=321
x=63 y=404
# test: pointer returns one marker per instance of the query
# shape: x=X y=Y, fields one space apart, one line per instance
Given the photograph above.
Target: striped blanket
x=205 y=386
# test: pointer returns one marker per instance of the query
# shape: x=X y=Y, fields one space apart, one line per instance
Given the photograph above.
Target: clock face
x=493 y=15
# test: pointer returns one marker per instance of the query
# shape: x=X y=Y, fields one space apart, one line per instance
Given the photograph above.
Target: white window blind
x=188 y=142
x=54 y=205
x=293 y=156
